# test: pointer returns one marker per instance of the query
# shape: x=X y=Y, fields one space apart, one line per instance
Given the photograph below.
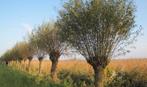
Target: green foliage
x=7 y=56
x=126 y=79
x=98 y=29
x=70 y=79
x=113 y=79
x=20 y=51
x=45 y=37
x=24 y=49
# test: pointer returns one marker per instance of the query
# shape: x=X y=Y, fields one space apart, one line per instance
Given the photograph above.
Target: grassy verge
x=75 y=77
x=14 y=78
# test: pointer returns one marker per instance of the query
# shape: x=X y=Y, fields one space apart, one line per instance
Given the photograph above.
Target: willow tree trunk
x=99 y=76
x=7 y=63
x=54 y=57
x=53 y=70
x=24 y=64
x=29 y=64
x=30 y=59
x=40 y=63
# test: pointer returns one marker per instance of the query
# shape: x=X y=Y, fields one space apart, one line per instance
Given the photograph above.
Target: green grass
x=14 y=78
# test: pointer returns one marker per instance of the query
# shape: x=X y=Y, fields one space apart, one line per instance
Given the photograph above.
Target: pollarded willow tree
x=16 y=53
x=35 y=44
x=40 y=54
x=98 y=29
x=47 y=39
x=7 y=57
x=26 y=51
x=23 y=49
x=12 y=54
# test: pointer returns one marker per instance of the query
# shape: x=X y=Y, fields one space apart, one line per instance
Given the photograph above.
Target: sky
x=19 y=17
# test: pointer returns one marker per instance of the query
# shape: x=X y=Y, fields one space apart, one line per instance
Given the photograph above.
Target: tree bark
x=30 y=59
x=7 y=63
x=40 y=63
x=53 y=70
x=99 y=76
x=28 y=68
x=54 y=56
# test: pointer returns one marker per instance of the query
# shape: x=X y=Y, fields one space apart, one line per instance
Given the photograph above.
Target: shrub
x=126 y=79
x=70 y=79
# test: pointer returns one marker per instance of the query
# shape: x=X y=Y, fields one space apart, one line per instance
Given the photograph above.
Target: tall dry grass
x=81 y=66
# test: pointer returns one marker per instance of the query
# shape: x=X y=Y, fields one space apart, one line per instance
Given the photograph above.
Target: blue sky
x=18 y=17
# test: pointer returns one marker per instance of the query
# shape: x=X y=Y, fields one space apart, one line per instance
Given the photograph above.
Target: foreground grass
x=77 y=66
x=14 y=78
x=11 y=77
x=120 y=73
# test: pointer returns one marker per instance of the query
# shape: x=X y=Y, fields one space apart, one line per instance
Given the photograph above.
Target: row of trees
x=97 y=29
x=44 y=40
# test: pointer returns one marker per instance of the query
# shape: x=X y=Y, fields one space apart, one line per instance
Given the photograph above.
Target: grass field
x=77 y=73
x=81 y=66
x=14 y=78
